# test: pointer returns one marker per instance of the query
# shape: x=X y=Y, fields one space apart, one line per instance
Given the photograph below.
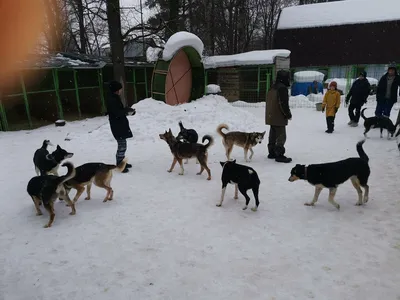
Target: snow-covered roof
x=339 y=13
x=179 y=40
x=252 y=58
x=308 y=76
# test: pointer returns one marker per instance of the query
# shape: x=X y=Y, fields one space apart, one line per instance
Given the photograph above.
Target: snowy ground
x=164 y=238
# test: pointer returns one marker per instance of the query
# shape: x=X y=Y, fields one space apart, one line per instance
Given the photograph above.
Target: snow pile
x=179 y=40
x=308 y=76
x=339 y=13
x=152 y=54
x=315 y=98
x=154 y=117
x=300 y=101
x=261 y=57
x=213 y=89
x=342 y=83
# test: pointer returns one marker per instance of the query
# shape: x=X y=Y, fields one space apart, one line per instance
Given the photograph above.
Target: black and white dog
x=243 y=177
x=49 y=163
x=187 y=136
x=331 y=175
x=378 y=122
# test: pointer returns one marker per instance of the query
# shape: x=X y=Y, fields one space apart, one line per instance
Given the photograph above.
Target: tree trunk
x=173 y=26
x=116 y=43
x=81 y=21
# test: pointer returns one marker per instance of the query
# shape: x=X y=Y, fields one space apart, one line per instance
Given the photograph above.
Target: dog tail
x=219 y=129
x=122 y=165
x=361 y=151
x=70 y=174
x=362 y=113
x=210 y=140
x=181 y=125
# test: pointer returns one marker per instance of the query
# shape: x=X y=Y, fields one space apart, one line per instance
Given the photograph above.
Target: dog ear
x=170 y=131
x=58 y=147
x=222 y=163
x=234 y=161
x=263 y=133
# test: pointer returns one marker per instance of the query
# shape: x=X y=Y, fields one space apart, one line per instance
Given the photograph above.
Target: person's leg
x=379 y=109
x=351 y=113
x=122 y=145
x=280 y=145
x=333 y=123
x=357 y=114
x=388 y=109
x=329 y=123
x=271 y=142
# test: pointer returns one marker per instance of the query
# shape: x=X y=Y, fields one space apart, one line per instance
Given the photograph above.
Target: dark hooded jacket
x=359 y=91
x=382 y=86
x=277 y=111
x=117 y=113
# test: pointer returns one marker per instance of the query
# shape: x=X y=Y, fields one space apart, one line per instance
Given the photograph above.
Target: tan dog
x=246 y=140
x=182 y=151
x=98 y=173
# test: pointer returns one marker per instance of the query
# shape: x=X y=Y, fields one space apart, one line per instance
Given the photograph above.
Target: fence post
x=57 y=90
x=25 y=95
x=134 y=85
x=268 y=77
x=78 y=102
x=258 y=80
x=205 y=81
x=100 y=78
x=145 y=82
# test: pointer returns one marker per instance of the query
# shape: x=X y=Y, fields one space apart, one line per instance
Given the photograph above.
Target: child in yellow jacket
x=331 y=105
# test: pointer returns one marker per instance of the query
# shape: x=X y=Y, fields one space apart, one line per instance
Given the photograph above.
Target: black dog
x=187 y=135
x=244 y=178
x=45 y=189
x=49 y=163
x=378 y=122
x=331 y=175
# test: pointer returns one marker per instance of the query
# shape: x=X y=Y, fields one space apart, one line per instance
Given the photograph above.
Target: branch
x=143 y=27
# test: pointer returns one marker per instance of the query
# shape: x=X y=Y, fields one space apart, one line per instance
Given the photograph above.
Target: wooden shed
x=246 y=76
x=340 y=33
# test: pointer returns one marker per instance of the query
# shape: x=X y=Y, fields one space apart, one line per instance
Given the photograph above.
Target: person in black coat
x=386 y=93
x=118 y=121
x=358 y=96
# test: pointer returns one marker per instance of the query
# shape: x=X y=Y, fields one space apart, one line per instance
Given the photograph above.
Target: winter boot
x=354 y=124
x=283 y=159
x=351 y=122
x=126 y=170
x=128 y=166
x=328 y=131
x=271 y=156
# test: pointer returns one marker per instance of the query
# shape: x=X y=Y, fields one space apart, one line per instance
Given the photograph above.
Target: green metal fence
x=42 y=96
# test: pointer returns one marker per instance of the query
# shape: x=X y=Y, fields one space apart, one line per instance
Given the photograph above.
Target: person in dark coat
x=358 y=96
x=386 y=93
x=118 y=121
x=277 y=114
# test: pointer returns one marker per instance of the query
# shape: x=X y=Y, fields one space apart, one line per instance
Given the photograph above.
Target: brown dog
x=98 y=173
x=182 y=150
x=246 y=140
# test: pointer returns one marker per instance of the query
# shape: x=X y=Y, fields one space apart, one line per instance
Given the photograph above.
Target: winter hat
x=283 y=76
x=334 y=84
x=392 y=66
x=114 y=86
x=363 y=74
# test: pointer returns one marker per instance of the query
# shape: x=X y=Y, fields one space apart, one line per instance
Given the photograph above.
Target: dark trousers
x=355 y=117
x=383 y=108
x=121 y=150
x=330 y=123
x=277 y=140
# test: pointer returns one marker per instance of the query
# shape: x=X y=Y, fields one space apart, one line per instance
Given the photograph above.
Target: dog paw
x=208 y=178
x=198 y=173
x=218 y=205
x=244 y=208
x=236 y=197
x=358 y=204
x=87 y=198
x=47 y=226
x=338 y=207
x=169 y=171
x=180 y=173
x=308 y=204
x=254 y=208
x=39 y=214
x=72 y=213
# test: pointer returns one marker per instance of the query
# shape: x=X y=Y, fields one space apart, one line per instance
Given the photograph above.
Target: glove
x=336 y=109
x=323 y=109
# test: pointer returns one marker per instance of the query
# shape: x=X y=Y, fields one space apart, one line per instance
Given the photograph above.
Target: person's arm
x=337 y=102
x=284 y=102
x=115 y=108
x=350 y=93
x=324 y=102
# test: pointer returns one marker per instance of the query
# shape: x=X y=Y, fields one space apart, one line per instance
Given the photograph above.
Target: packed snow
x=308 y=76
x=152 y=54
x=179 y=40
x=260 y=57
x=339 y=13
x=162 y=237
x=213 y=89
